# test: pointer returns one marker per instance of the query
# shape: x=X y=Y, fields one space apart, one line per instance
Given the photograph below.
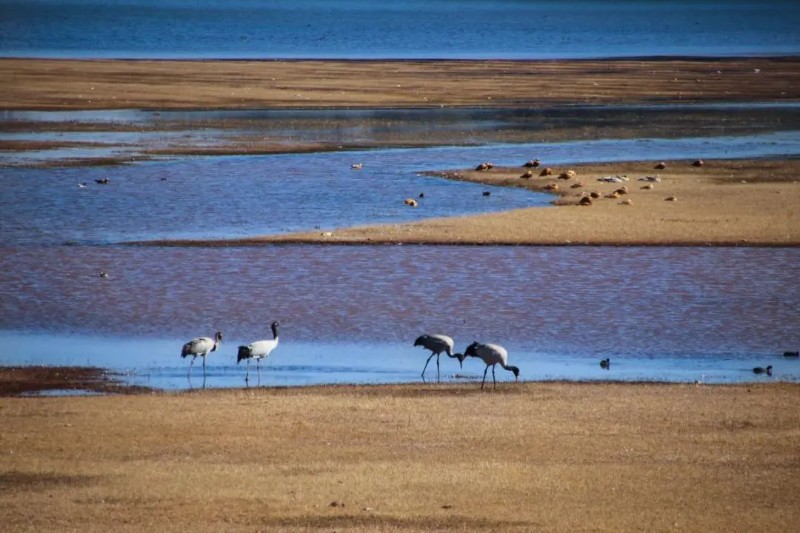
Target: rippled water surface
x=351 y=314
x=409 y=29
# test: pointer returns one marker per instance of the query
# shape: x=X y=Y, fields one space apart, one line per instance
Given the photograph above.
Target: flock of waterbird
x=491 y=354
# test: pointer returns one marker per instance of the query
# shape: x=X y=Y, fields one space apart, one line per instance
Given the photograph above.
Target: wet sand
x=528 y=456
x=723 y=203
x=57 y=380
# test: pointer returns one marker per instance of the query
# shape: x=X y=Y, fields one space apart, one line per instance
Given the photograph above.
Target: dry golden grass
x=115 y=84
x=549 y=456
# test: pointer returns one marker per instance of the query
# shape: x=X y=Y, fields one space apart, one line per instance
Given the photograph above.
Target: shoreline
x=58 y=381
x=722 y=203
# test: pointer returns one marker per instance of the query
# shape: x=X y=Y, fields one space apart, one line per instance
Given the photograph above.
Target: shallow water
x=409 y=29
x=73 y=136
x=351 y=314
x=239 y=196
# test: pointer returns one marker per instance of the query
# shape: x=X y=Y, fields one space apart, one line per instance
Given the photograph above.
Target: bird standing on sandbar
x=492 y=355
x=258 y=350
x=437 y=344
x=201 y=347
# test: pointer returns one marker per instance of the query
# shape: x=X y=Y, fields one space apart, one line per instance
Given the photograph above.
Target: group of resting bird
x=258 y=350
x=491 y=354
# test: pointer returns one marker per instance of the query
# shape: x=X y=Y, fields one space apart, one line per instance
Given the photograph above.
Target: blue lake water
x=216 y=197
x=350 y=314
x=511 y=29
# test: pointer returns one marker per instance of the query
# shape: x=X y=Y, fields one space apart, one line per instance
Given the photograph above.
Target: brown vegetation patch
x=16 y=481
x=22 y=380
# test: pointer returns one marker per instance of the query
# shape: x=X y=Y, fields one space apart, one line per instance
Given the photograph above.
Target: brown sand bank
x=530 y=456
x=120 y=84
x=733 y=202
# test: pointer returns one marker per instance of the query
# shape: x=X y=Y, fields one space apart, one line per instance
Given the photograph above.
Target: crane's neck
x=511 y=368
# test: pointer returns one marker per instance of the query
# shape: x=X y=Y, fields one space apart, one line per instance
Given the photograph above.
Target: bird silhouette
x=762 y=370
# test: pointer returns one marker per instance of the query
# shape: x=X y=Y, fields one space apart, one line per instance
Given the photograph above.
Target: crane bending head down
x=491 y=354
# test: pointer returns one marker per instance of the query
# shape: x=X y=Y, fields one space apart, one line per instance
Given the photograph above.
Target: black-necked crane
x=201 y=347
x=437 y=344
x=492 y=355
x=258 y=350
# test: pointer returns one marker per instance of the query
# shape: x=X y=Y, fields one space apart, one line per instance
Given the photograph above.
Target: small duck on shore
x=605 y=363
x=762 y=370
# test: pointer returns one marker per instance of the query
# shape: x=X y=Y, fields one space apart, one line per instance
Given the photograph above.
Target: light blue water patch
x=156 y=363
x=410 y=29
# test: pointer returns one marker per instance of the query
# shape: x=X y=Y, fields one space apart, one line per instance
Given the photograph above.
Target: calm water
x=251 y=195
x=409 y=29
x=351 y=313
x=89 y=135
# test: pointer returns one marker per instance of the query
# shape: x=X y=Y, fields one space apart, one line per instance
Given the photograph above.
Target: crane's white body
x=258 y=350
x=492 y=355
x=201 y=347
x=261 y=349
x=437 y=344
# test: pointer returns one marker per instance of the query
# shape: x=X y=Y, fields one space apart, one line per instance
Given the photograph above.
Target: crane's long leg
x=247 y=373
x=438 y=379
x=484 y=376
x=426 y=365
x=258 y=368
x=494 y=379
x=190 y=365
x=204 y=367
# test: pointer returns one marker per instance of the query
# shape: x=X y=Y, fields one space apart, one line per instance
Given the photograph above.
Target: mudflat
x=125 y=84
x=416 y=457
